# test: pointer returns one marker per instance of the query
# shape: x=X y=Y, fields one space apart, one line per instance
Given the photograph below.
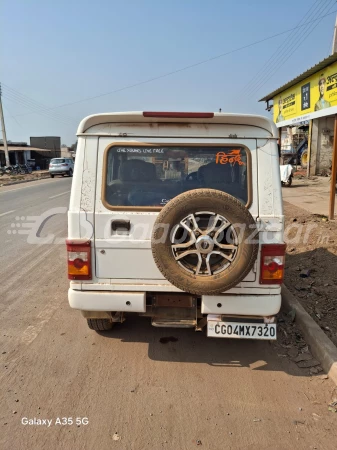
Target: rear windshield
x=148 y=176
x=58 y=161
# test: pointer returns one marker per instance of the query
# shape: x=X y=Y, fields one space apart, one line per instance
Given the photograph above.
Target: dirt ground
x=9 y=179
x=311 y=265
x=311 y=194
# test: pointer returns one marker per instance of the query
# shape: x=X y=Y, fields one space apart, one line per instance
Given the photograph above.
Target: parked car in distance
x=61 y=166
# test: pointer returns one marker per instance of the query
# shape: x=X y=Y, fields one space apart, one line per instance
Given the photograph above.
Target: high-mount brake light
x=79 y=259
x=272 y=263
x=179 y=115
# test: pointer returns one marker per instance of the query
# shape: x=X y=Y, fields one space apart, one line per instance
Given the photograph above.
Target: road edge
x=321 y=347
x=42 y=177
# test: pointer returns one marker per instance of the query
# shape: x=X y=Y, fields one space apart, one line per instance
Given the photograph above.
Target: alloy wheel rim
x=204 y=243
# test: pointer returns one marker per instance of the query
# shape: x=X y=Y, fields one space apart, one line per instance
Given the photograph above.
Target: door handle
x=120 y=225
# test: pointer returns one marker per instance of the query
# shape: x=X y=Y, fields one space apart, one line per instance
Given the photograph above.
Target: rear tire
x=70 y=173
x=100 y=324
x=52 y=176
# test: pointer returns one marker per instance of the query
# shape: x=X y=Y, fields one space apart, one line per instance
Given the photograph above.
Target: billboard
x=313 y=97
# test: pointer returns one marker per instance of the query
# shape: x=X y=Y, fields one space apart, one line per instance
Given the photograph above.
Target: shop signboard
x=313 y=97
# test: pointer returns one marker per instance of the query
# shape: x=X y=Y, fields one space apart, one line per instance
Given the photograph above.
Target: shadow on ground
x=194 y=347
x=295 y=186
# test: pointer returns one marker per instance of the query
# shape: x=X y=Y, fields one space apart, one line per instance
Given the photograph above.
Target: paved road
x=311 y=195
x=228 y=394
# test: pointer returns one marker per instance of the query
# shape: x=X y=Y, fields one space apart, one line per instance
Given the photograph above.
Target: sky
x=56 y=53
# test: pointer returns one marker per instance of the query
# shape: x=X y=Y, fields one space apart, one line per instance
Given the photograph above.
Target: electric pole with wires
x=334 y=41
x=4 y=138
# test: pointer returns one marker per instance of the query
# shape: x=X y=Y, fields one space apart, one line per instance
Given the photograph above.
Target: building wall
x=321 y=145
x=325 y=143
x=2 y=159
x=26 y=155
x=42 y=158
x=65 y=152
x=52 y=143
x=313 y=148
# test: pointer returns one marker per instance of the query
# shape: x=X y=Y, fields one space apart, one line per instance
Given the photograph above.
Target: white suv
x=61 y=166
x=178 y=217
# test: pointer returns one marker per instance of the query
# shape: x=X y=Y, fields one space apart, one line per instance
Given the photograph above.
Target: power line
x=334 y=39
x=36 y=110
x=186 y=67
x=28 y=100
x=331 y=42
x=284 y=56
x=289 y=53
x=276 y=55
x=11 y=115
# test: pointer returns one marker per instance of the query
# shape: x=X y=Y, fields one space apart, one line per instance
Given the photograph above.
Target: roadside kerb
x=41 y=177
x=321 y=347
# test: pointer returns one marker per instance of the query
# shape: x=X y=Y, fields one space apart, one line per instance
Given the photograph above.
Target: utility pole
x=334 y=148
x=334 y=43
x=333 y=175
x=4 y=138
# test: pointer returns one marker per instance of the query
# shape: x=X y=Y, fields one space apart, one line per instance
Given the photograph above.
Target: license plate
x=241 y=330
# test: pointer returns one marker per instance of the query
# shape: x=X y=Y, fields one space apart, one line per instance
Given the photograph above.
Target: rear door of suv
x=123 y=234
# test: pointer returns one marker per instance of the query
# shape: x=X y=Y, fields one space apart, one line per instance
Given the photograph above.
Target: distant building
x=66 y=152
x=309 y=102
x=22 y=153
x=52 y=143
x=39 y=153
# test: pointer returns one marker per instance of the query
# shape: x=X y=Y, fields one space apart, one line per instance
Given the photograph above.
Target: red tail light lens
x=272 y=263
x=78 y=262
x=79 y=259
x=179 y=115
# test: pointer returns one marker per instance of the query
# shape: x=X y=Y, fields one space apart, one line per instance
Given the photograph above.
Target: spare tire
x=202 y=241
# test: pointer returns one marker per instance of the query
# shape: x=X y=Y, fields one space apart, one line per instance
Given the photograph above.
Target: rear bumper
x=243 y=305
x=58 y=172
x=107 y=301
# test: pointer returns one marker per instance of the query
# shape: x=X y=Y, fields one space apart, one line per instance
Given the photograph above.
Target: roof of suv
x=205 y=118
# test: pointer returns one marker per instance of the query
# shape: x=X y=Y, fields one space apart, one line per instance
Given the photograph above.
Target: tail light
x=179 y=115
x=79 y=259
x=272 y=263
